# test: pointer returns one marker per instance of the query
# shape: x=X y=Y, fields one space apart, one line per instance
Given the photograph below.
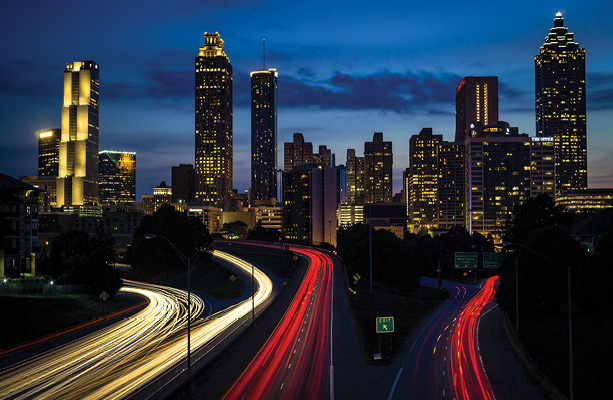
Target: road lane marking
x=389 y=397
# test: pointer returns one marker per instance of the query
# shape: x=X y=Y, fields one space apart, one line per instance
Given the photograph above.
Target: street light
x=570 y=314
x=186 y=260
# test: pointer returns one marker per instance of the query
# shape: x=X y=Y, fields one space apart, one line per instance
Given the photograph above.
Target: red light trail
x=468 y=374
x=294 y=362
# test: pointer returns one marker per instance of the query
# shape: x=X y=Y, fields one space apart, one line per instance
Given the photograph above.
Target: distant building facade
x=19 y=247
x=78 y=149
x=585 y=200
x=213 y=125
x=450 y=185
x=117 y=177
x=378 y=160
x=297 y=152
x=161 y=195
x=183 y=183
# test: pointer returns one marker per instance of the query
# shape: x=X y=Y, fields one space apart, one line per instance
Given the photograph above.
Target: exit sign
x=385 y=324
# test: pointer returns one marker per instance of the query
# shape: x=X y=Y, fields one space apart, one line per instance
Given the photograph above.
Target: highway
x=295 y=362
x=443 y=360
x=118 y=361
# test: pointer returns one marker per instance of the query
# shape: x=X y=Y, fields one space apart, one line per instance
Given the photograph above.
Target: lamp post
x=330 y=232
x=370 y=244
x=187 y=261
x=570 y=313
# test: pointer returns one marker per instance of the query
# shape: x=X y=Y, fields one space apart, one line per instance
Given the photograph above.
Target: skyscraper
x=264 y=134
x=117 y=177
x=560 y=104
x=476 y=100
x=78 y=152
x=378 y=160
x=422 y=180
x=49 y=152
x=213 y=123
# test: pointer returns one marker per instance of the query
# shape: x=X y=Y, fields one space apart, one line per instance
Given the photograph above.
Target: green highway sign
x=385 y=324
x=492 y=260
x=466 y=260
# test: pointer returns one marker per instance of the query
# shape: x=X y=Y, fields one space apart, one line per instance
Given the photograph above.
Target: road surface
x=120 y=360
x=295 y=362
x=443 y=361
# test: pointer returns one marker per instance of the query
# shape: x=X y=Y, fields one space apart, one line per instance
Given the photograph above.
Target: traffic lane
x=420 y=376
x=468 y=375
x=290 y=347
x=314 y=359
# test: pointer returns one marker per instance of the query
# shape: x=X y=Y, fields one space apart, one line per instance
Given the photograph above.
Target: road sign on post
x=385 y=324
x=466 y=260
x=492 y=260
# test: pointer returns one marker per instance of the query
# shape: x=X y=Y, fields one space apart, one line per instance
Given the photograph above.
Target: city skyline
x=324 y=86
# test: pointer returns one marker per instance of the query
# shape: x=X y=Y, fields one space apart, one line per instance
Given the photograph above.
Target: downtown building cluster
x=474 y=181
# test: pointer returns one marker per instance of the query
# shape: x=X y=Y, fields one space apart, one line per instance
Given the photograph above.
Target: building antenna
x=263 y=54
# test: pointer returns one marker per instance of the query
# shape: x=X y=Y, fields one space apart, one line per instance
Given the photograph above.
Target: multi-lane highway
x=295 y=362
x=121 y=359
x=443 y=359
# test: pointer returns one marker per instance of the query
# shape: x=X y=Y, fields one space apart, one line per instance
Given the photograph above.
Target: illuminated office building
x=503 y=169
x=117 y=177
x=585 y=200
x=378 y=160
x=355 y=178
x=213 y=123
x=560 y=104
x=323 y=158
x=264 y=135
x=49 y=152
x=78 y=152
x=422 y=180
x=161 y=195
x=310 y=205
x=476 y=100
x=450 y=185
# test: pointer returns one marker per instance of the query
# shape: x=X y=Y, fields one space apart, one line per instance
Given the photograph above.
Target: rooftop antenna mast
x=263 y=54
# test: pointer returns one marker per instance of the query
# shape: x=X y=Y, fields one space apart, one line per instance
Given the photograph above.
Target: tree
x=75 y=257
x=238 y=228
x=537 y=212
x=187 y=234
x=264 y=234
x=543 y=276
x=392 y=264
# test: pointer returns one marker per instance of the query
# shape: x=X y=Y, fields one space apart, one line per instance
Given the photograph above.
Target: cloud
x=28 y=78
x=389 y=91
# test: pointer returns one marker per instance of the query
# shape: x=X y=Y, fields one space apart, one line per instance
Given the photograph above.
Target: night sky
x=346 y=69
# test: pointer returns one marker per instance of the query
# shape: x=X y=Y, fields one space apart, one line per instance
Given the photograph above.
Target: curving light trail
x=117 y=361
x=295 y=361
x=467 y=372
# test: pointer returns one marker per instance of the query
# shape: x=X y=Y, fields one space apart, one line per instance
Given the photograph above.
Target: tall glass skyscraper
x=213 y=125
x=560 y=104
x=264 y=134
x=78 y=154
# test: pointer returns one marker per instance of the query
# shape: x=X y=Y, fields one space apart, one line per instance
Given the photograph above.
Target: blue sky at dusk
x=346 y=69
